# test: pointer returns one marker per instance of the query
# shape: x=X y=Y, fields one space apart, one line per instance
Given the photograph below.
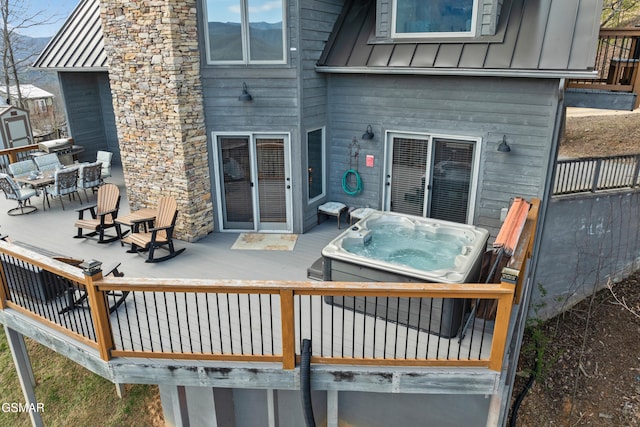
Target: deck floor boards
x=230 y=324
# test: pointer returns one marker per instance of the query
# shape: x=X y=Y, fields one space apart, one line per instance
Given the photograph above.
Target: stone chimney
x=154 y=71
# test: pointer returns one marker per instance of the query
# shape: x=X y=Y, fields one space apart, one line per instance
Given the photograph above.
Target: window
x=315 y=163
x=40 y=106
x=245 y=31
x=432 y=176
x=420 y=18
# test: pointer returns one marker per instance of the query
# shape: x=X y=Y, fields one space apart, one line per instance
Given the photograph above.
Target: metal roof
x=78 y=45
x=534 y=38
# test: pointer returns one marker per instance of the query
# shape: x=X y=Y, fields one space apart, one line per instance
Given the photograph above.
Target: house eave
x=539 y=74
x=74 y=69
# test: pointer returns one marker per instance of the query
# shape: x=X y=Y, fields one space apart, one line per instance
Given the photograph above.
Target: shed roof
x=78 y=45
x=534 y=38
x=28 y=91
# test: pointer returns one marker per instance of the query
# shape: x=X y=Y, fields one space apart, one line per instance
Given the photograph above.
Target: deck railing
x=398 y=324
x=591 y=174
x=617 y=62
x=12 y=155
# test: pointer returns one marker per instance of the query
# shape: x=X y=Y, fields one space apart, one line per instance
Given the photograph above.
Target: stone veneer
x=154 y=71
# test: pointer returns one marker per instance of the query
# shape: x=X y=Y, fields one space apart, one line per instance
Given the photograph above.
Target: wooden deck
x=210 y=258
x=214 y=305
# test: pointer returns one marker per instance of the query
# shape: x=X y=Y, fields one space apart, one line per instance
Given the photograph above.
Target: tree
x=16 y=52
x=614 y=12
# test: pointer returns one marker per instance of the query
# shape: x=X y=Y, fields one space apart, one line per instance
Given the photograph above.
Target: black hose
x=305 y=383
x=525 y=390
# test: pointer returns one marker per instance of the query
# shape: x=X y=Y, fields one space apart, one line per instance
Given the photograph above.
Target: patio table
x=144 y=217
x=38 y=183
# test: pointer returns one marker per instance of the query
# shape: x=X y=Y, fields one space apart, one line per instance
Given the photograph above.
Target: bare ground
x=590 y=369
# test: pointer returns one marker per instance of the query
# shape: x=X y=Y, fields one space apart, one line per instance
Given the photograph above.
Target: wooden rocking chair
x=161 y=236
x=103 y=215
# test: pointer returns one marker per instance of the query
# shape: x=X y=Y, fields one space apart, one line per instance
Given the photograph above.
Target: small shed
x=15 y=127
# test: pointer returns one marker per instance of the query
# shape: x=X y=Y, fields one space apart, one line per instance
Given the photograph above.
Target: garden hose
x=352 y=191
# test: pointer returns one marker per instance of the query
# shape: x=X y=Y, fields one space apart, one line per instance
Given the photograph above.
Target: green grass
x=72 y=395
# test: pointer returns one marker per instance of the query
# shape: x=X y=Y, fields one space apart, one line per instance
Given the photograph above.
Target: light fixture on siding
x=245 y=96
x=368 y=133
x=504 y=147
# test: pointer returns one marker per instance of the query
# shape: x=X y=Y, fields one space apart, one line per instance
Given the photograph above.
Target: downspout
x=305 y=383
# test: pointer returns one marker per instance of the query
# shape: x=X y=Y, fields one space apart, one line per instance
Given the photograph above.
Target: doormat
x=265 y=242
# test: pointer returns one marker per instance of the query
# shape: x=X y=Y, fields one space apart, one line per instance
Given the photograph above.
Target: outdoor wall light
x=504 y=147
x=368 y=133
x=245 y=96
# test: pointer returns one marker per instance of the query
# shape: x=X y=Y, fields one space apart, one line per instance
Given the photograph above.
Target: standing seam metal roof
x=78 y=45
x=534 y=37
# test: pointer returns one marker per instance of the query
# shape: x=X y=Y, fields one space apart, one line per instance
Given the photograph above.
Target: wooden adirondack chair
x=160 y=236
x=103 y=215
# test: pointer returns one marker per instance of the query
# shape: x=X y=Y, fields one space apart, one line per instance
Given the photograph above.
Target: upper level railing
x=591 y=174
x=397 y=324
x=617 y=62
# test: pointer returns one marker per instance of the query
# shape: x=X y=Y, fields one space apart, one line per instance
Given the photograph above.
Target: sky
x=54 y=11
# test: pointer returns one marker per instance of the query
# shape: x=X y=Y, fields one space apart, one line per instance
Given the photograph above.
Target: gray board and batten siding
x=289 y=98
x=523 y=110
x=90 y=113
x=317 y=19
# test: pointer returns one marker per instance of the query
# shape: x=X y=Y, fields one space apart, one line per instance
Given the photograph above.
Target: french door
x=253 y=182
x=431 y=176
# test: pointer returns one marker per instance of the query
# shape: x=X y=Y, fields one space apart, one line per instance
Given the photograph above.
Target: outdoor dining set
x=149 y=229
x=47 y=175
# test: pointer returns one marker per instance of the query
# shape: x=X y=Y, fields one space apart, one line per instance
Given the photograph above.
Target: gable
x=78 y=45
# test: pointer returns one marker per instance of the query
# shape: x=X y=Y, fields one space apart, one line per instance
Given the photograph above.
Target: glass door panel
x=272 y=185
x=451 y=180
x=430 y=177
x=237 y=199
x=408 y=178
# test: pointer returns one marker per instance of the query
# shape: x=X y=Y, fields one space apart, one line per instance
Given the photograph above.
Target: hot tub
x=392 y=247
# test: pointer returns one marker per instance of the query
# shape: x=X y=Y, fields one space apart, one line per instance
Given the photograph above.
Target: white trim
x=388 y=168
x=252 y=136
x=246 y=45
x=323 y=193
x=435 y=34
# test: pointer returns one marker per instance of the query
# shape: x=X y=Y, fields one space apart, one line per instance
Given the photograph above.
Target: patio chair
x=47 y=162
x=114 y=298
x=65 y=184
x=103 y=215
x=22 y=169
x=105 y=158
x=90 y=176
x=159 y=236
x=13 y=191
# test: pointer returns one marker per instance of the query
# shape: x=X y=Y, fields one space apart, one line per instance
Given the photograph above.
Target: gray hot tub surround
x=460 y=262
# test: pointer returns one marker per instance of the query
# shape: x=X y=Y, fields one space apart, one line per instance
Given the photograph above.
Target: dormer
x=414 y=20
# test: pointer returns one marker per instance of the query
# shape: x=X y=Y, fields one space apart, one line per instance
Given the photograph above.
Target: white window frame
x=475 y=171
x=420 y=35
x=252 y=137
x=323 y=193
x=246 y=48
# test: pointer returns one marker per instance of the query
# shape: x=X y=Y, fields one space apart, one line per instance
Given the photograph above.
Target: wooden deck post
x=288 y=329
x=3 y=286
x=100 y=313
x=501 y=329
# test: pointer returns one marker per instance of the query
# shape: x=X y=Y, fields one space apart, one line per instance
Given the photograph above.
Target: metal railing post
x=636 y=173
x=596 y=176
